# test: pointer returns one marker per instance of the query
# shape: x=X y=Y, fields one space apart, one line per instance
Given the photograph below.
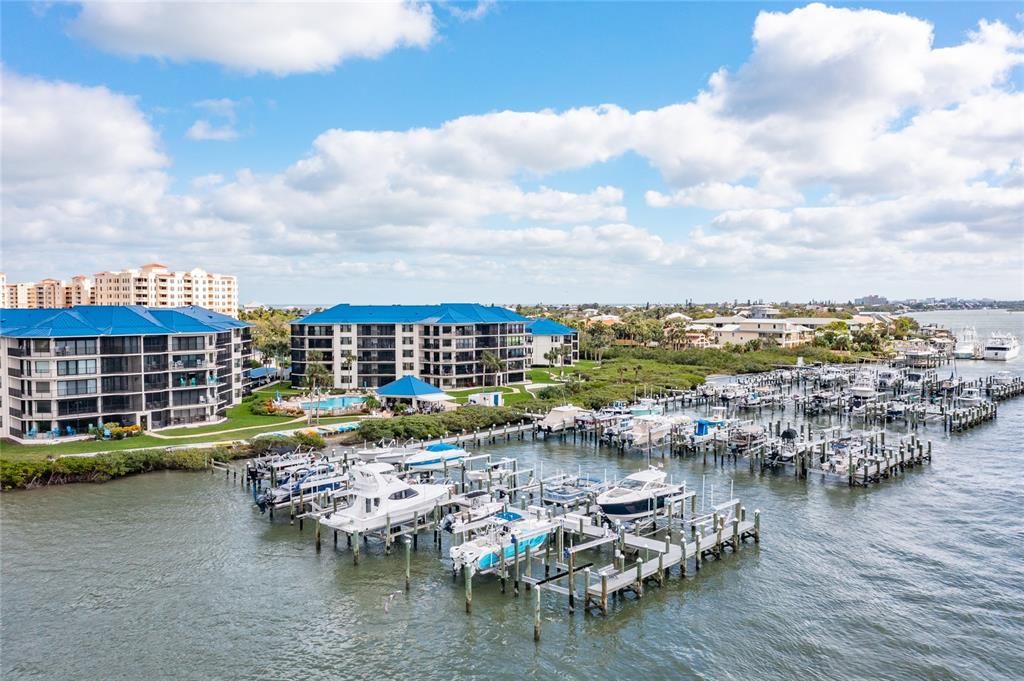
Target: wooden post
x=572 y=584
x=697 y=553
x=604 y=594
x=408 y=562
x=639 y=577
x=515 y=568
x=467 y=572
x=356 y=545
x=757 y=526
x=318 y=535
x=536 y=614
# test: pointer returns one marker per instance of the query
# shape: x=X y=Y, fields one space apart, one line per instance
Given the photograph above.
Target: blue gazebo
x=415 y=389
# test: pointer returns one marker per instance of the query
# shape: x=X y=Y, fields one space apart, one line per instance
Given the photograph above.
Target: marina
x=818 y=555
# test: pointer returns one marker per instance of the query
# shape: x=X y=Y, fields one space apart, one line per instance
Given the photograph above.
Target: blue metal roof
x=445 y=313
x=112 y=320
x=548 y=327
x=408 y=386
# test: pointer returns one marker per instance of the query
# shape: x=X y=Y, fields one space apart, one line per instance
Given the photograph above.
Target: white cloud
x=223 y=107
x=278 y=38
x=470 y=12
x=204 y=130
x=845 y=147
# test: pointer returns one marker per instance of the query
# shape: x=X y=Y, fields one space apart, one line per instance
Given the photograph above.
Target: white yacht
x=889 y=378
x=637 y=495
x=654 y=429
x=1002 y=346
x=967 y=345
x=375 y=496
x=560 y=418
x=864 y=385
x=508 y=533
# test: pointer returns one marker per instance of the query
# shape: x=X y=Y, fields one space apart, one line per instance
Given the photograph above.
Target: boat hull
x=635 y=508
x=1002 y=355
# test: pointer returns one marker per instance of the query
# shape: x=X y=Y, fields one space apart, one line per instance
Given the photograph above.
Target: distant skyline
x=554 y=152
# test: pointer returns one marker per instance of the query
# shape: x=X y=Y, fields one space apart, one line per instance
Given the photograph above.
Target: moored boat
x=1001 y=346
x=638 y=495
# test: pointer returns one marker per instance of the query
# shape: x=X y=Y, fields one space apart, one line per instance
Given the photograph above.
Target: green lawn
x=11 y=451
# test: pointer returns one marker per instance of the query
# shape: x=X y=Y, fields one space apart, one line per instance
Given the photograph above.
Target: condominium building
x=544 y=336
x=64 y=370
x=156 y=286
x=452 y=345
x=152 y=285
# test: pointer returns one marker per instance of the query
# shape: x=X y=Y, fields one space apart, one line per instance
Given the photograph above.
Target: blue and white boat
x=509 y=533
x=303 y=481
x=638 y=495
x=435 y=457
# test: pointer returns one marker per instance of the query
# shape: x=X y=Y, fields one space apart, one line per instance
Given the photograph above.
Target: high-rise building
x=152 y=285
x=450 y=345
x=63 y=371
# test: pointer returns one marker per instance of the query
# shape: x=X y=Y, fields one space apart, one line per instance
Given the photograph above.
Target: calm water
x=172 y=575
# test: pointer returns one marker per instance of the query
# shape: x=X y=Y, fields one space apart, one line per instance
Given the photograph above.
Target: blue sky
x=522 y=57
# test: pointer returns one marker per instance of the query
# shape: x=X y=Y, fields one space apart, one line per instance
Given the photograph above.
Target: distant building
x=544 y=335
x=872 y=299
x=367 y=346
x=152 y=285
x=738 y=330
x=678 y=315
x=64 y=370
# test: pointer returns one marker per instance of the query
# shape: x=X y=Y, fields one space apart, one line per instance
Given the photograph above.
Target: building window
x=345 y=340
x=75 y=346
x=408 y=366
x=408 y=354
x=408 y=340
x=41 y=368
x=42 y=386
x=40 y=345
x=75 y=367
x=407 y=328
x=81 y=387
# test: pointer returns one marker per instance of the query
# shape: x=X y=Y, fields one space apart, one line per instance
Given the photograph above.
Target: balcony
x=16 y=352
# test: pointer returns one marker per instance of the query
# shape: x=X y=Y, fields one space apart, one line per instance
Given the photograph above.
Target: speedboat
x=435 y=457
x=970 y=397
x=650 y=430
x=746 y=436
x=305 y=480
x=1002 y=347
x=637 y=495
x=569 y=490
x=475 y=505
x=508 y=535
x=646 y=406
x=376 y=496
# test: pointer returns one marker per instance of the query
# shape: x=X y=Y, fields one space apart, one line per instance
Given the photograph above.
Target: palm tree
x=564 y=353
x=492 y=363
x=316 y=377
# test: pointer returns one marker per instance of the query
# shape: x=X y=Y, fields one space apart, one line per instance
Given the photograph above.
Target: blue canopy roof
x=408 y=386
x=445 y=313
x=548 y=327
x=112 y=320
x=441 y=447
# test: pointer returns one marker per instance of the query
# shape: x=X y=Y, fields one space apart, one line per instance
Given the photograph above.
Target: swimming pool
x=340 y=402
